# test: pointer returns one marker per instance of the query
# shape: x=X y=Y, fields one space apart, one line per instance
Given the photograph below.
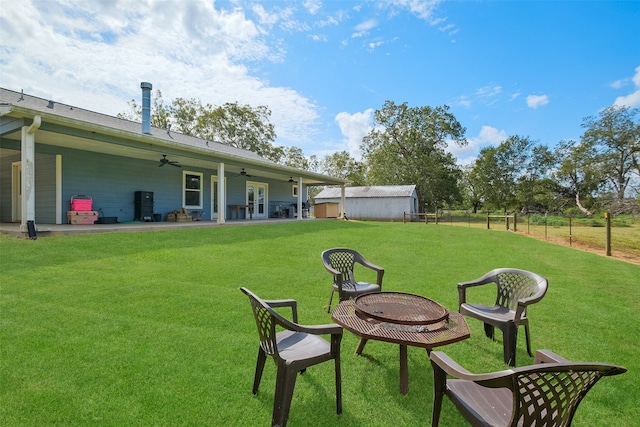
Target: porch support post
x=300 y=198
x=342 y=200
x=28 y=185
x=222 y=209
x=58 y=189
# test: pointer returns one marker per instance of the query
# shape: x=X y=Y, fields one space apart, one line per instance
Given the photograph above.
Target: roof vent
x=51 y=104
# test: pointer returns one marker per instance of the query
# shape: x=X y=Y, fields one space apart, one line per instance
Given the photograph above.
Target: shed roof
x=374 y=191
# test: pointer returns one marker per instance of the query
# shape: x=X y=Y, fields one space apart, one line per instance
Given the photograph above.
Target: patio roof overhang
x=60 y=128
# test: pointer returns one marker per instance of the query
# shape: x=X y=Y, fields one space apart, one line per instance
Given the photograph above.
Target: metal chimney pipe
x=146 y=107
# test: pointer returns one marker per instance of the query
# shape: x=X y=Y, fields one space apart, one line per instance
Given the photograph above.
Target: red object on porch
x=81 y=203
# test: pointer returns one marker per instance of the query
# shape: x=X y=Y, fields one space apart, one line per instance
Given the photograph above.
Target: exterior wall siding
x=375 y=209
x=111 y=182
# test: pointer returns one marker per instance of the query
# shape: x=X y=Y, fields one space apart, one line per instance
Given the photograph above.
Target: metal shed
x=378 y=203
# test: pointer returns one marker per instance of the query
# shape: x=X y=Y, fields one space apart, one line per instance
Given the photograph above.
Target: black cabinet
x=143 y=206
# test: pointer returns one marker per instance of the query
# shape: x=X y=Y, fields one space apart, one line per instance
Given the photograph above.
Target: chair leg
x=330 y=300
x=285 y=384
x=489 y=331
x=526 y=333
x=262 y=357
x=439 y=386
x=338 y=386
x=509 y=340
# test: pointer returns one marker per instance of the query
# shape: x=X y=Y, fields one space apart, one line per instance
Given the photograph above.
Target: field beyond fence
x=584 y=233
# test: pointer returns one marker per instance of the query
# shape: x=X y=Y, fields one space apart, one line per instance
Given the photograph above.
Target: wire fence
x=607 y=234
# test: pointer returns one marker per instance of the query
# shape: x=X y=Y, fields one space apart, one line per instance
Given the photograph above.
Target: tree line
x=408 y=145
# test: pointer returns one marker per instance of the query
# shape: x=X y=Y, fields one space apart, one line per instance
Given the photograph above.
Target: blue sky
x=529 y=68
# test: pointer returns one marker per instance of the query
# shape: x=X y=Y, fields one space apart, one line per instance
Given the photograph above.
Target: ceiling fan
x=165 y=161
x=244 y=173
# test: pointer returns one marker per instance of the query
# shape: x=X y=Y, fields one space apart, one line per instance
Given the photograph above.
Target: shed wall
x=379 y=208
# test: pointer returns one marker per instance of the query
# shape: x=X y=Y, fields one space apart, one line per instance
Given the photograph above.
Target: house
x=51 y=152
x=381 y=203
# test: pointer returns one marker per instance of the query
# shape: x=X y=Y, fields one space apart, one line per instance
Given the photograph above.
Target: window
x=192 y=190
x=295 y=191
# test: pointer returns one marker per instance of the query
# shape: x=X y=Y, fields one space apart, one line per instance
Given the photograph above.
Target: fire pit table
x=400 y=318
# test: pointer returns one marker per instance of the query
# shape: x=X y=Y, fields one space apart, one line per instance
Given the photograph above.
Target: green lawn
x=121 y=329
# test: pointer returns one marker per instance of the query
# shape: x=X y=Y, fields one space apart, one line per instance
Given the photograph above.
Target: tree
x=577 y=172
x=472 y=187
x=615 y=136
x=342 y=165
x=241 y=126
x=294 y=157
x=407 y=146
x=160 y=112
x=513 y=175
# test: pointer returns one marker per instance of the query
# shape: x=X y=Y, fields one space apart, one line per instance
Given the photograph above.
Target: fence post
x=488 y=226
x=404 y=215
x=570 y=234
x=515 y=222
x=506 y=221
x=545 y=226
x=607 y=215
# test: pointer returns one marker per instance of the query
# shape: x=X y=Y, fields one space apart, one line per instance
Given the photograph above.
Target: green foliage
x=614 y=134
x=151 y=329
x=342 y=165
x=407 y=145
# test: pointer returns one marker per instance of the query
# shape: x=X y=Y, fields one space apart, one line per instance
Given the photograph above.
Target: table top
x=428 y=336
x=401 y=308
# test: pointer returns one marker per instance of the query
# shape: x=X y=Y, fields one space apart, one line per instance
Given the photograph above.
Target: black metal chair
x=340 y=262
x=546 y=393
x=515 y=290
x=293 y=349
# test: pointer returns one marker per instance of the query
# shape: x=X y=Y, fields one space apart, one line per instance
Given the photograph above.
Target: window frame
x=200 y=190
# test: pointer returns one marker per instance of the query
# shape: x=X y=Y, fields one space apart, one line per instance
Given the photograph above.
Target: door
x=257 y=196
x=214 y=195
x=16 y=191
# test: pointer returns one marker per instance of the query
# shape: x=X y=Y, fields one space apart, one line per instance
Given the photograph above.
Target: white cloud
x=488 y=135
x=313 y=6
x=633 y=99
x=265 y=17
x=355 y=127
x=423 y=9
x=363 y=28
x=489 y=91
x=95 y=54
x=535 y=101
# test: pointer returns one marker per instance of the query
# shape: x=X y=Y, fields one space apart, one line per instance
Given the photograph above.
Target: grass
x=150 y=328
x=584 y=233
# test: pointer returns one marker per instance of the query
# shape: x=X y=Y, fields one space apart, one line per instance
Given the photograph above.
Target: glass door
x=214 y=196
x=257 y=197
